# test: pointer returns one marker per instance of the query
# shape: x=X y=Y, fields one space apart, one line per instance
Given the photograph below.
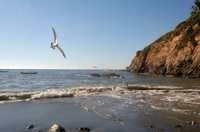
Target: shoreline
x=109 y=109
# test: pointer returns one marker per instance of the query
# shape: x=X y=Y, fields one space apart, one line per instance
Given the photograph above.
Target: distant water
x=64 y=79
x=13 y=80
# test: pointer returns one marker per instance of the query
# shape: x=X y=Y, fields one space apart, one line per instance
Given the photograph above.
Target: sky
x=101 y=33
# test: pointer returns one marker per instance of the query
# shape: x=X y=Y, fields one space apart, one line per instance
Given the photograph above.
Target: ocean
x=13 y=80
x=63 y=83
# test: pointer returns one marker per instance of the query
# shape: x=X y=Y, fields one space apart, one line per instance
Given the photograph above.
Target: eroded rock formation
x=176 y=53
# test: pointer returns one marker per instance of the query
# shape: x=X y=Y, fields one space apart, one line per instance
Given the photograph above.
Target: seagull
x=55 y=43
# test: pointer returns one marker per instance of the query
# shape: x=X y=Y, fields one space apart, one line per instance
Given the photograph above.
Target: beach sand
x=15 y=117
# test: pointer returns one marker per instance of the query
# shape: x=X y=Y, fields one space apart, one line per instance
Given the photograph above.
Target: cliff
x=176 y=53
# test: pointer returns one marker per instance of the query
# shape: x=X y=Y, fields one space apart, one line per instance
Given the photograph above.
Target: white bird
x=55 y=43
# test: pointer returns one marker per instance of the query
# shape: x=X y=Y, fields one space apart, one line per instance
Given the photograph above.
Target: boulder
x=56 y=128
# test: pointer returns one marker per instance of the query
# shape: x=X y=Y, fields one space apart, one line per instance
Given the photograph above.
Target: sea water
x=65 y=83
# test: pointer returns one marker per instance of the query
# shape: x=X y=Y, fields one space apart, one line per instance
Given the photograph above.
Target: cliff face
x=176 y=53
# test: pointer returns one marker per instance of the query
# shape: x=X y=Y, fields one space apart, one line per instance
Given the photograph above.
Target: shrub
x=196 y=7
x=146 y=50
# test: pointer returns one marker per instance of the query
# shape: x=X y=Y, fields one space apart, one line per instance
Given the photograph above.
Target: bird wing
x=61 y=51
x=55 y=35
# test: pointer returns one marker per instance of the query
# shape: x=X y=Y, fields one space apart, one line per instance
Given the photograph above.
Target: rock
x=111 y=75
x=176 y=53
x=178 y=126
x=56 y=128
x=31 y=126
x=152 y=126
x=95 y=75
x=84 y=129
x=108 y=75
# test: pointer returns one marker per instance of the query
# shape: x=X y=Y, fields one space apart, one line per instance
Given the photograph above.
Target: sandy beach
x=108 y=110
x=71 y=115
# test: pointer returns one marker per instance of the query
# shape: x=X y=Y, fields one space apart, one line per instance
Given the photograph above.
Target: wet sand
x=119 y=110
x=15 y=117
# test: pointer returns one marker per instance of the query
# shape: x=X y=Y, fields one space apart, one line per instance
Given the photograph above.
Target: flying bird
x=55 y=43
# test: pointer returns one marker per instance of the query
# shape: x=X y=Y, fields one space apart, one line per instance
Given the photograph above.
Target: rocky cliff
x=176 y=53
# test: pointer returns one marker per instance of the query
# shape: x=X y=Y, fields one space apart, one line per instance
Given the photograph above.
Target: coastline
x=109 y=109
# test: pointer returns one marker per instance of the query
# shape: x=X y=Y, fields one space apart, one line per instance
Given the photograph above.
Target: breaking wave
x=50 y=93
x=78 y=91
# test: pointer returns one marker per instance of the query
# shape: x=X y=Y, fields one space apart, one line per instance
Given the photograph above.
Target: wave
x=82 y=75
x=50 y=93
x=184 y=111
x=114 y=91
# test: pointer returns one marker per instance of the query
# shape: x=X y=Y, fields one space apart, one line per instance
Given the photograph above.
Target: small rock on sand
x=56 y=128
x=31 y=126
x=152 y=126
x=178 y=126
x=84 y=129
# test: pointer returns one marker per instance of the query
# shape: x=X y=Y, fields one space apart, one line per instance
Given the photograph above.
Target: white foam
x=114 y=92
x=158 y=108
x=54 y=93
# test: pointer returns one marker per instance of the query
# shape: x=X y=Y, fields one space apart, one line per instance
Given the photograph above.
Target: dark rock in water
x=28 y=73
x=56 y=128
x=31 y=126
x=95 y=75
x=107 y=75
x=111 y=75
x=84 y=129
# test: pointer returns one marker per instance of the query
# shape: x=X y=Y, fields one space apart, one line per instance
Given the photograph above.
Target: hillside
x=176 y=53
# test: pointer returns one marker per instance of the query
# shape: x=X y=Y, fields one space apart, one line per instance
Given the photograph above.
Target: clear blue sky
x=104 y=33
